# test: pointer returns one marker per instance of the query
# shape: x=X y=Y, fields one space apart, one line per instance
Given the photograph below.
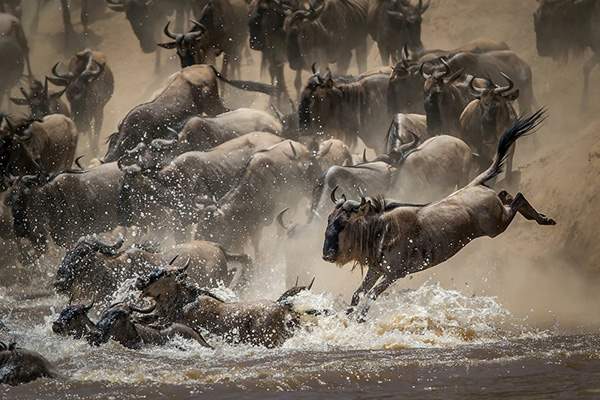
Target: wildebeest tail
x=522 y=127
x=250 y=86
x=239 y=272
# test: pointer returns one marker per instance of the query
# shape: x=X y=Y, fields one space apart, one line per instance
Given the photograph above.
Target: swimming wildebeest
x=40 y=101
x=19 y=366
x=327 y=34
x=394 y=239
x=263 y=323
x=569 y=26
x=116 y=323
x=73 y=321
x=31 y=147
x=90 y=84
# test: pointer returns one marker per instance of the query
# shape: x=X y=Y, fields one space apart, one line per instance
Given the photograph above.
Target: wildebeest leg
x=85 y=15
x=361 y=57
x=368 y=282
x=384 y=54
x=298 y=82
x=66 y=16
x=520 y=205
x=375 y=293
x=98 y=121
x=587 y=70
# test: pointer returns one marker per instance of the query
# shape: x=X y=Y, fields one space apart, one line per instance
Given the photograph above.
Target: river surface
x=424 y=343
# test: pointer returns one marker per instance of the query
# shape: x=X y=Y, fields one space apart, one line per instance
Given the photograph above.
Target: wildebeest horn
x=68 y=76
x=422 y=8
x=294 y=151
x=201 y=31
x=446 y=67
x=185 y=266
x=147 y=310
x=77 y=161
x=173 y=131
x=168 y=33
x=173 y=259
x=24 y=93
x=405 y=56
x=505 y=89
x=310 y=285
x=332 y=195
x=93 y=68
x=424 y=74
x=477 y=91
x=364 y=156
x=280 y=219
x=116 y=5
x=88 y=308
x=314 y=69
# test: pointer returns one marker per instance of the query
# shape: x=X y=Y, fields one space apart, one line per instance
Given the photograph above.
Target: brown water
x=423 y=343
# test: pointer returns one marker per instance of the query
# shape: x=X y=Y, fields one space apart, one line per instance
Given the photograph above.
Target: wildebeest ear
x=512 y=96
x=168 y=45
x=19 y=102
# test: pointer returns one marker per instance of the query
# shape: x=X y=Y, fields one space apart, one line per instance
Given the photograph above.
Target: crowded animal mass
x=299 y=199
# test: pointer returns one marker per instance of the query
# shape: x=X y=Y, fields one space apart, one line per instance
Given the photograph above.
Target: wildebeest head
x=409 y=18
x=266 y=23
x=439 y=94
x=347 y=230
x=22 y=201
x=162 y=282
x=405 y=90
x=86 y=259
x=495 y=106
x=39 y=100
x=294 y=291
x=144 y=17
x=188 y=45
x=299 y=33
x=78 y=82
x=116 y=323
x=73 y=321
x=319 y=102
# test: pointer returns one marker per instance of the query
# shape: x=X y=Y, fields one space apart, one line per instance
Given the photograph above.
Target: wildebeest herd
x=443 y=124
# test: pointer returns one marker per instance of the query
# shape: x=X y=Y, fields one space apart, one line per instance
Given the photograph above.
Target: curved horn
x=475 y=89
x=446 y=67
x=173 y=259
x=68 y=76
x=185 y=266
x=88 y=308
x=314 y=69
x=424 y=74
x=364 y=156
x=294 y=150
x=332 y=195
x=405 y=56
x=423 y=7
x=146 y=310
x=505 y=89
x=280 y=219
x=310 y=285
x=77 y=161
x=168 y=33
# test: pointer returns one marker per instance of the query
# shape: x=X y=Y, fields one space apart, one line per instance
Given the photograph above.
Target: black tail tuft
x=522 y=127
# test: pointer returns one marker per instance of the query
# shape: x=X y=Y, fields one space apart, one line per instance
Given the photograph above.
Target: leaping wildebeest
x=394 y=239
x=90 y=85
x=327 y=34
x=569 y=26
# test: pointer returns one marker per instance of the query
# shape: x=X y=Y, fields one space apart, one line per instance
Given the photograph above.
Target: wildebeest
x=90 y=85
x=190 y=46
x=492 y=65
x=190 y=92
x=224 y=23
x=32 y=147
x=485 y=119
x=40 y=101
x=73 y=321
x=267 y=36
x=564 y=26
x=18 y=366
x=147 y=18
x=413 y=173
x=201 y=134
x=180 y=183
x=116 y=323
x=395 y=23
x=94 y=269
x=394 y=239
x=263 y=323
x=14 y=53
x=346 y=111
x=274 y=178
x=327 y=34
